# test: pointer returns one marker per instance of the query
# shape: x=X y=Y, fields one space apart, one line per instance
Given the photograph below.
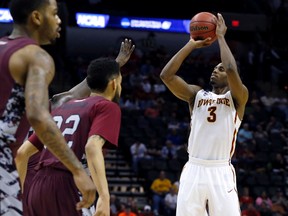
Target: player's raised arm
x=239 y=91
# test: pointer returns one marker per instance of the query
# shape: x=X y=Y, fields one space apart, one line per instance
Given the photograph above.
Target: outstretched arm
x=82 y=90
x=239 y=92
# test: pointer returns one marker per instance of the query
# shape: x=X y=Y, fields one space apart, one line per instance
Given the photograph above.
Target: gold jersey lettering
x=209 y=102
x=205 y=102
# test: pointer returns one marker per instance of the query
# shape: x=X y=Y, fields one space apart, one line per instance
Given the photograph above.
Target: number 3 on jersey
x=212 y=114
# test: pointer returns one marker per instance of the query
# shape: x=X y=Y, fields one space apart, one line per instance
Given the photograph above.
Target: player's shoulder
x=34 y=53
x=35 y=49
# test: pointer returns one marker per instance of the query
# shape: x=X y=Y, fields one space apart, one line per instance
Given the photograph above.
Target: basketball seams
x=202 y=33
x=202 y=21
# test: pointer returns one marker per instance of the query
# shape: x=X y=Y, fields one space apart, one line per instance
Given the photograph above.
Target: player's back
x=77 y=119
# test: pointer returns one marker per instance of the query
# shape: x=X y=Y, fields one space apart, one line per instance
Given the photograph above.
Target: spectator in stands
x=152 y=111
x=245 y=199
x=261 y=138
x=252 y=121
x=245 y=135
x=153 y=148
x=175 y=137
x=130 y=102
x=250 y=211
x=115 y=205
x=260 y=112
x=263 y=198
x=173 y=122
x=170 y=201
x=159 y=187
x=275 y=130
x=274 y=126
x=264 y=210
x=133 y=203
x=278 y=163
x=126 y=211
x=279 y=203
x=169 y=150
x=147 y=89
x=146 y=68
x=158 y=87
x=246 y=157
x=138 y=150
x=134 y=79
x=147 y=211
x=278 y=110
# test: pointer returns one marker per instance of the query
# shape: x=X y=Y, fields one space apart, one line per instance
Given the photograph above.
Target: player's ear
x=114 y=83
x=36 y=17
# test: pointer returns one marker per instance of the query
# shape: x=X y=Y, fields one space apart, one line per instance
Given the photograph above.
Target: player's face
x=118 y=89
x=218 y=77
x=50 y=27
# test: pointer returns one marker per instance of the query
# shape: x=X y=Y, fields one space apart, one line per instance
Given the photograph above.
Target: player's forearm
x=25 y=151
x=99 y=176
x=81 y=90
x=96 y=164
x=21 y=165
x=176 y=61
x=227 y=57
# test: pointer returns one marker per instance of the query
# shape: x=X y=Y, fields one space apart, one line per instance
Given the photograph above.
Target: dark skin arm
x=179 y=87
x=82 y=90
x=34 y=68
x=239 y=91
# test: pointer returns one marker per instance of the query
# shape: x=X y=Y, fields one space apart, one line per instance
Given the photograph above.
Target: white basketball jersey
x=214 y=126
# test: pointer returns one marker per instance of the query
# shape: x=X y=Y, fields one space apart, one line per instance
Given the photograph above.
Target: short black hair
x=21 y=9
x=100 y=71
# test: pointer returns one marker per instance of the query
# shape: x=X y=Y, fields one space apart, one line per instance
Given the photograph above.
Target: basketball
x=202 y=26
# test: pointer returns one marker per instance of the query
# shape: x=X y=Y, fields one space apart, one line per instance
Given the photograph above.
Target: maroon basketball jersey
x=12 y=120
x=80 y=119
x=12 y=94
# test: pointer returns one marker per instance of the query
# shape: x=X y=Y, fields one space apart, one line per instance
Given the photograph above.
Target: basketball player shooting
x=208 y=181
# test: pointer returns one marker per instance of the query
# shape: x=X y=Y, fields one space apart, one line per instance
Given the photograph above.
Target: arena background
x=261 y=35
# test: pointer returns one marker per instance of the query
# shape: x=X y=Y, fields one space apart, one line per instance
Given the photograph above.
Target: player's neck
x=219 y=90
x=97 y=94
x=20 y=31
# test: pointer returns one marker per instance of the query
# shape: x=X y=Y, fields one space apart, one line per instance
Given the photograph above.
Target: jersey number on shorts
x=75 y=119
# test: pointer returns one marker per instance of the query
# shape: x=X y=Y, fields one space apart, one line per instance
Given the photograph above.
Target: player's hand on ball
x=201 y=43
